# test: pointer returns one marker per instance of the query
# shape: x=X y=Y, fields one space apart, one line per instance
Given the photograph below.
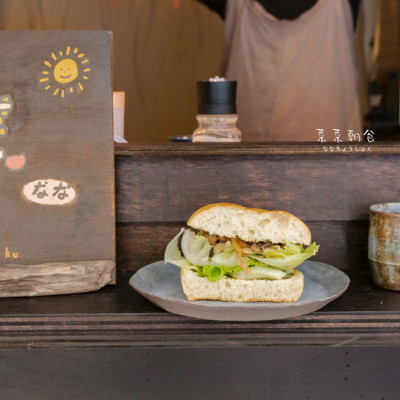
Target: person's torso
x=294 y=76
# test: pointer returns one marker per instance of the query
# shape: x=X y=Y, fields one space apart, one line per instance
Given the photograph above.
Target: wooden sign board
x=57 y=223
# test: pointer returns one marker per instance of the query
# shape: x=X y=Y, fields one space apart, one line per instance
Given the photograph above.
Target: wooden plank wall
x=154 y=42
x=156 y=194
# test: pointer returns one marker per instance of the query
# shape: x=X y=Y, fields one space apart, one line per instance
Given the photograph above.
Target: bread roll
x=238 y=290
x=250 y=224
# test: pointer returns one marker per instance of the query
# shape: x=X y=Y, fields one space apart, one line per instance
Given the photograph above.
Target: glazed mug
x=384 y=244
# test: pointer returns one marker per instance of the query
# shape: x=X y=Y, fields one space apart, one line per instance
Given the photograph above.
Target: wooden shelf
x=253 y=148
x=316 y=185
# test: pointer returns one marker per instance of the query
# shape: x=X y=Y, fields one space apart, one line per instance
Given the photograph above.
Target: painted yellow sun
x=66 y=72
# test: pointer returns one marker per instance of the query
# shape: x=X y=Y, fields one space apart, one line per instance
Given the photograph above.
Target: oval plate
x=160 y=283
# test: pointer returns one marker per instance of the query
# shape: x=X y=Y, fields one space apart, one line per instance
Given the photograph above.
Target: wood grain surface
x=55 y=278
x=253 y=148
x=159 y=329
x=314 y=187
x=62 y=126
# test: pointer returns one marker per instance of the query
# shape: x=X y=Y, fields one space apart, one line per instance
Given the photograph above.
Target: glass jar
x=217 y=128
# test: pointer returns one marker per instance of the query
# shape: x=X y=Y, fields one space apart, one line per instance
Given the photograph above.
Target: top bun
x=250 y=224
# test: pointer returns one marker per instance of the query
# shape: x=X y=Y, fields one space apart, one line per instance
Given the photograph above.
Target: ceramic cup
x=384 y=244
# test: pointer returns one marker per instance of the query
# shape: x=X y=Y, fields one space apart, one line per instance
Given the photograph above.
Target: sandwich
x=232 y=253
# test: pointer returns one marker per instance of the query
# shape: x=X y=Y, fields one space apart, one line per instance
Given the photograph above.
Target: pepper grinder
x=217 y=111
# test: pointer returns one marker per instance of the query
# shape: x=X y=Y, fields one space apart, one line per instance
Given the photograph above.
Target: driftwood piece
x=55 y=278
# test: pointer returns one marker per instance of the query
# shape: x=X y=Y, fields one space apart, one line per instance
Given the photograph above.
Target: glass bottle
x=217 y=112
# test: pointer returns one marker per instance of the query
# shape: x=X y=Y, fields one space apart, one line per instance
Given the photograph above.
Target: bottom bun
x=242 y=290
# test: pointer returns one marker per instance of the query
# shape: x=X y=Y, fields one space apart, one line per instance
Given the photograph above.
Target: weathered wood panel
x=67 y=138
x=57 y=161
x=314 y=187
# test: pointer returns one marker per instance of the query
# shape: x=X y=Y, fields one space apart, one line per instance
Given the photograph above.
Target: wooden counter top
x=119 y=317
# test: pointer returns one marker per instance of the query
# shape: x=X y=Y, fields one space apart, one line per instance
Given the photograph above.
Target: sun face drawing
x=66 y=72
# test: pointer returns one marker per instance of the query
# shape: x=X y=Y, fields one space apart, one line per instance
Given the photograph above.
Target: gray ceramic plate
x=160 y=283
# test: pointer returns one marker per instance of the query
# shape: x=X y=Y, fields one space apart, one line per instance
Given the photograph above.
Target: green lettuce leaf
x=288 y=257
x=215 y=272
x=282 y=252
